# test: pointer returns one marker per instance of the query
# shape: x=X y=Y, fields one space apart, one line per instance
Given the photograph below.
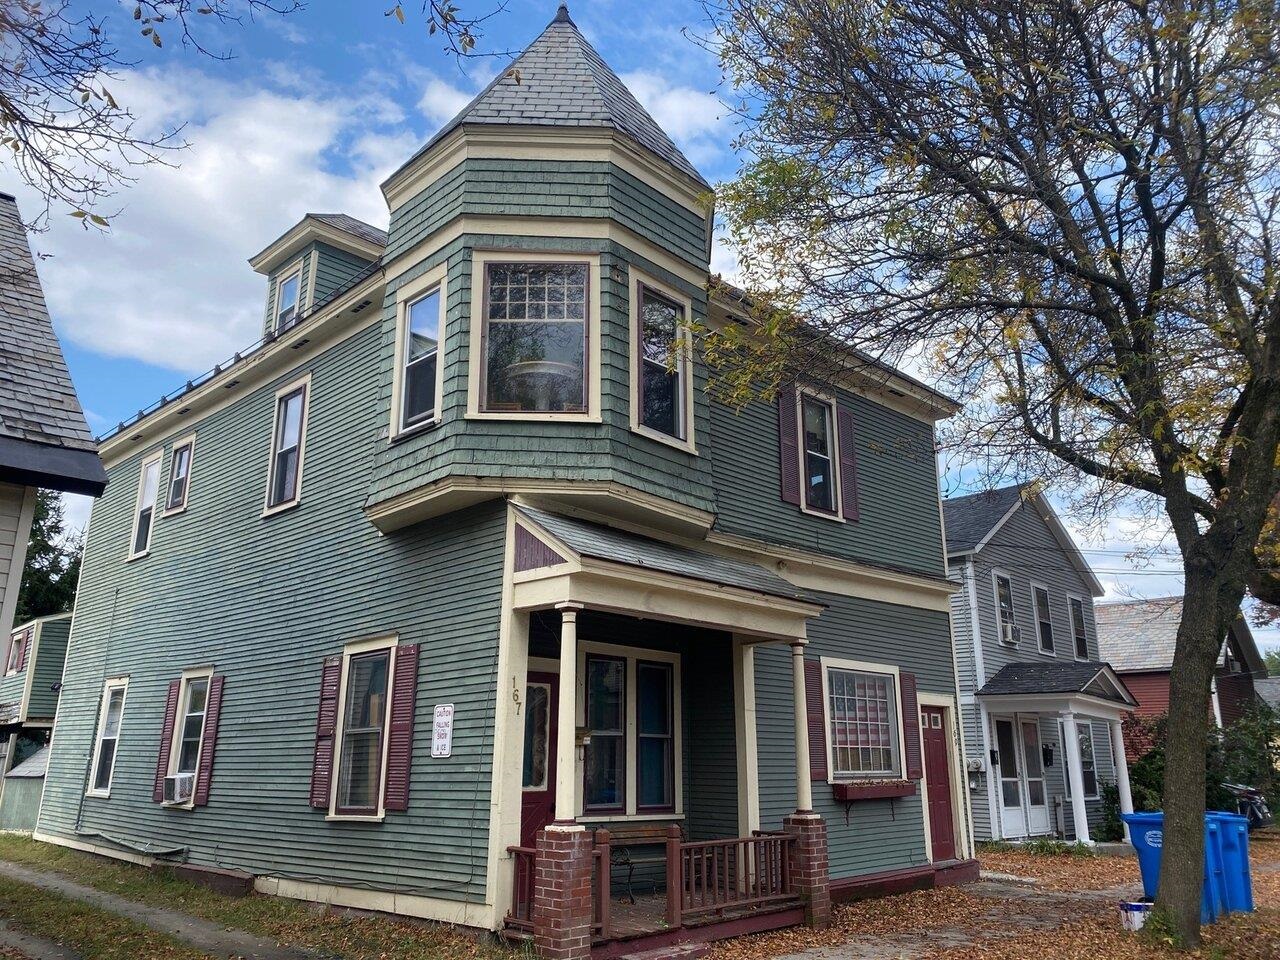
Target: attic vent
x=229 y=384
x=184 y=411
x=301 y=343
x=360 y=306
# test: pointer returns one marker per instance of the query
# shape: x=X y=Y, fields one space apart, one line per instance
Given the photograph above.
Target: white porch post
x=804 y=789
x=1122 y=770
x=1075 y=778
x=567 y=716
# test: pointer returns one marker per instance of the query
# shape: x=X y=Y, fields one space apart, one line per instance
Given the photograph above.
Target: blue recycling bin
x=1233 y=838
x=1146 y=833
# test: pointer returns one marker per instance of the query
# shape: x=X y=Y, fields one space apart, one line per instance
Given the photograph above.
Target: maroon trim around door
x=166 y=739
x=326 y=727
x=208 y=740
x=404 y=703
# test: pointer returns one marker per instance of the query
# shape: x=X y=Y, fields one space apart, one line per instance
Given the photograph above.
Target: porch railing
x=521 y=915
x=713 y=877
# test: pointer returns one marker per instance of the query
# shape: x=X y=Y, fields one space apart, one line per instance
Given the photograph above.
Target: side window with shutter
x=817 y=454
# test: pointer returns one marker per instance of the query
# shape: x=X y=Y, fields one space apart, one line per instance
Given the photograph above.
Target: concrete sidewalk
x=212 y=938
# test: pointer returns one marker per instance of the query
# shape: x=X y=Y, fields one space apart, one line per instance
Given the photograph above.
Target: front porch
x=638 y=821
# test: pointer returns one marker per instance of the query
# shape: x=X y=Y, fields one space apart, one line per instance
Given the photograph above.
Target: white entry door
x=1033 y=776
x=1013 y=819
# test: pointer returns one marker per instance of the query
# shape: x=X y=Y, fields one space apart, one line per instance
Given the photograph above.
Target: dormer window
x=287 y=290
x=535 y=337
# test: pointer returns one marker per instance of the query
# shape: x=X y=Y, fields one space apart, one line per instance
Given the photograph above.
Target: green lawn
x=289 y=922
x=87 y=930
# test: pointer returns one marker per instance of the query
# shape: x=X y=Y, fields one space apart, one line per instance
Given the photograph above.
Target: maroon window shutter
x=404 y=702
x=789 y=445
x=848 y=464
x=817 y=720
x=166 y=739
x=911 y=726
x=212 y=710
x=25 y=639
x=326 y=728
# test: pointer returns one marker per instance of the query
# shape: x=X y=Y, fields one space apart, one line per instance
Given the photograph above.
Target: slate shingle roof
x=1269 y=690
x=1140 y=635
x=970 y=518
x=1032 y=678
x=564 y=82
x=349 y=224
x=41 y=423
x=605 y=543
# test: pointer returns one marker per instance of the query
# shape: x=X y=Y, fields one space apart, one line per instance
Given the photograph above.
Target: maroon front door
x=538 y=807
x=937 y=776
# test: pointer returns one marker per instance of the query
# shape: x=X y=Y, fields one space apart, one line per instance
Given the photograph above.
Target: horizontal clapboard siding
x=265 y=601
x=48 y=663
x=898 y=523
x=609 y=451
x=870 y=835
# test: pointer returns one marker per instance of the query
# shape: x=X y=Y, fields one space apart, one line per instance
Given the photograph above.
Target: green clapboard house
x=458 y=595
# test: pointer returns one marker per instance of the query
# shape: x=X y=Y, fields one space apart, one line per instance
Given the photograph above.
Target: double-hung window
x=104 y=749
x=179 y=475
x=366 y=700
x=1079 y=635
x=287 y=292
x=817 y=434
x=288 y=436
x=535 y=337
x=632 y=719
x=862 y=723
x=662 y=364
x=1044 y=622
x=16 y=646
x=190 y=726
x=145 y=511
x=1004 y=606
x=420 y=351
x=1088 y=766
x=605 y=786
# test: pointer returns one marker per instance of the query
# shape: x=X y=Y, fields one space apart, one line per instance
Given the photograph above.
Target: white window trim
x=996 y=576
x=684 y=361
x=8 y=652
x=188 y=441
x=390 y=642
x=631 y=655
x=195 y=673
x=1084 y=605
x=834 y=406
x=156 y=507
x=268 y=508
x=406 y=296
x=111 y=683
x=862 y=666
x=285 y=276
x=475 y=361
x=1035 y=612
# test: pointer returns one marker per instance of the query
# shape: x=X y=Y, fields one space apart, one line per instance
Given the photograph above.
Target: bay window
x=862 y=723
x=535 y=337
x=420 y=350
x=662 y=364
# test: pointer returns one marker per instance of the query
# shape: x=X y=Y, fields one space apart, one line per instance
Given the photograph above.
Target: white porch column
x=1075 y=778
x=567 y=716
x=804 y=789
x=1122 y=770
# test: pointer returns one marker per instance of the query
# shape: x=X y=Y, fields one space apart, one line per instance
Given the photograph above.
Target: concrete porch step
x=682 y=951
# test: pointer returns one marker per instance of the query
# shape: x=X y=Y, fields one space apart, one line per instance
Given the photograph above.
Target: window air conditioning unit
x=178 y=787
x=1011 y=634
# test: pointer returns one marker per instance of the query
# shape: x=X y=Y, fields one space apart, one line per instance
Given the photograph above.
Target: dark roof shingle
x=970 y=518
x=349 y=224
x=564 y=82
x=1016 y=679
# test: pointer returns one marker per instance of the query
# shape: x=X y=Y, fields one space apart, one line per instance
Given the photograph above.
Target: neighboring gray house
x=1036 y=700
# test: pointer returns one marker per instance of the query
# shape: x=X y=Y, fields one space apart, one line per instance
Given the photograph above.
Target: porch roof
x=605 y=543
x=1090 y=678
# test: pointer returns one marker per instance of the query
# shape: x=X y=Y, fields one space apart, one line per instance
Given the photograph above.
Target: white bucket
x=1133 y=915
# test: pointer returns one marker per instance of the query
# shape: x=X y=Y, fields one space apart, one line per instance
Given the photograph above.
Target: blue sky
x=311 y=112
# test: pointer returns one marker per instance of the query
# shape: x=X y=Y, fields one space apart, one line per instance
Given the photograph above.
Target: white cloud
x=169 y=284
x=697 y=121
x=441 y=101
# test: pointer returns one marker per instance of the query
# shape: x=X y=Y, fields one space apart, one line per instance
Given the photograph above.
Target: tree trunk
x=1207 y=611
